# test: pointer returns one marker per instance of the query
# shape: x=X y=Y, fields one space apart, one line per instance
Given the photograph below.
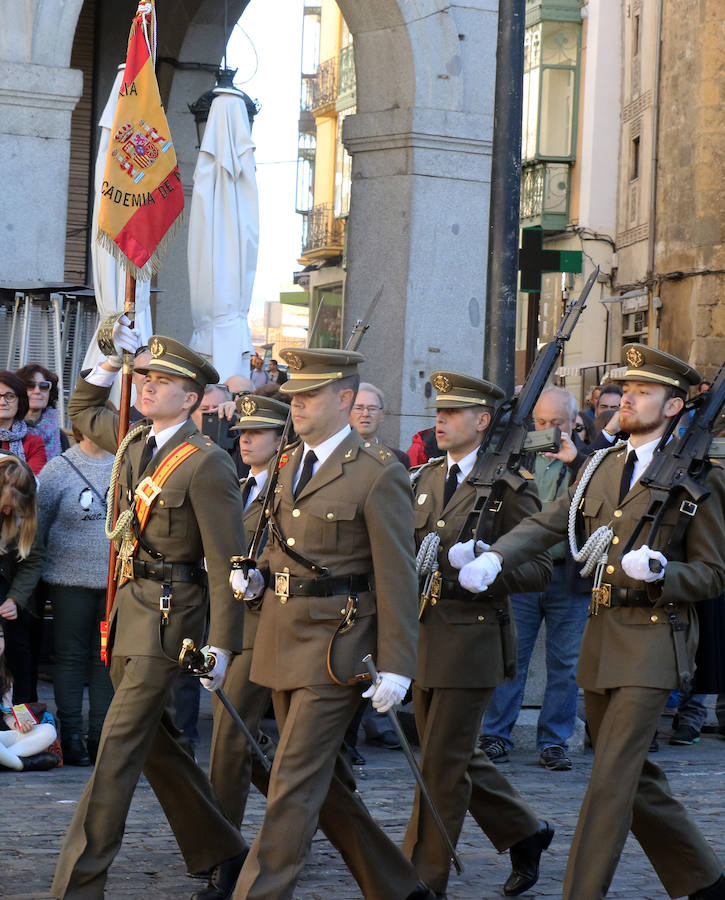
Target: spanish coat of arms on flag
x=141 y=195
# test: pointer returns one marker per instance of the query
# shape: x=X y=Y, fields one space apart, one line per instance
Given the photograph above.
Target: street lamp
x=201 y=106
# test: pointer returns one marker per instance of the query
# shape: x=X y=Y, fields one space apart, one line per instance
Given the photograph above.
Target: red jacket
x=34 y=449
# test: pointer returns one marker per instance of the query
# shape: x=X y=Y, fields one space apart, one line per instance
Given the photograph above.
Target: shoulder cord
x=123 y=523
x=594 y=551
x=427 y=559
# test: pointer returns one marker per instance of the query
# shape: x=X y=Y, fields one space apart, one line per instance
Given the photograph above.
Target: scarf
x=47 y=428
x=14 y=437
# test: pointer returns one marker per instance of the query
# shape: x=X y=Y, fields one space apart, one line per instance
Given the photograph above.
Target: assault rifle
x=505 y=440
x=679 y=465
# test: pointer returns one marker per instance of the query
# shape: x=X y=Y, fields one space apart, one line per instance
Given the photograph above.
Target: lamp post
x=201 y=106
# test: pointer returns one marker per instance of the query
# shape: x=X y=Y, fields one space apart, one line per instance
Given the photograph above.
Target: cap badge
x=441 y=383
x=634 y=357
x=249 y=406
x=157 y=348
x=294 y=361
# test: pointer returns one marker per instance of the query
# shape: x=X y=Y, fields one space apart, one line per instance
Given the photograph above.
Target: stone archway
x=421 y=148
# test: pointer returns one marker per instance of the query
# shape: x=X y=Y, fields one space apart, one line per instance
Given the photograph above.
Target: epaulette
x=378 y=451
x=416 y=471
x=202 y=441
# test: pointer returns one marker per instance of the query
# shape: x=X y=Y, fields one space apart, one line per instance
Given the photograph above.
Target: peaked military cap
x=174 y=358
x=310 y=369
x=645 y=363
x=256 y=411
x=456 y=391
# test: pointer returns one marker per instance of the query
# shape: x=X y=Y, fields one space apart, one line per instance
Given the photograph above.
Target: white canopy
x=224 y=236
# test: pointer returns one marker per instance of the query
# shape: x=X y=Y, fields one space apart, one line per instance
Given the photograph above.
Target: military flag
x=141 y=193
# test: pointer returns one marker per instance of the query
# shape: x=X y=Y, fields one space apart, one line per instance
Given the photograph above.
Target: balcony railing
x=545 y=195
x=322 y=232
x=324 y=89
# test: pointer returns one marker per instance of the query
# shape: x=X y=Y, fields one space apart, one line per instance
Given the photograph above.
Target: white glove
x=213 y=681
x=248 y=588
x=476 y=576
x=387 y=691
x=461 y=554
x=636 y=564
x=124 y=338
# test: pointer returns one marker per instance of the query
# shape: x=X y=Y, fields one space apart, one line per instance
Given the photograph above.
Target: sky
x=265 y=48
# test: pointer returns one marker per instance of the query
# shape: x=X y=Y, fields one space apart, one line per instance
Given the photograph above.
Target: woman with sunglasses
x=15 y=436
x=42 y=416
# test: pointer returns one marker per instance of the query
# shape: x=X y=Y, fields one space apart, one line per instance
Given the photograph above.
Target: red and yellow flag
x=142 y=195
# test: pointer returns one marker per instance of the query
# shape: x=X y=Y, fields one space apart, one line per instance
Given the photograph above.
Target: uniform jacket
x=355 y=517
x=460 y=640
x=198 y=514
x=251 y=517
x=633 y=646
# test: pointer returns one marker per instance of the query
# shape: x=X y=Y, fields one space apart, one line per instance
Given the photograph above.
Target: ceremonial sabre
x=368 y=661
x=195 y=662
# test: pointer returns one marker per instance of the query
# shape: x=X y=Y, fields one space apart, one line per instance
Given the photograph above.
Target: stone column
x=36 y=102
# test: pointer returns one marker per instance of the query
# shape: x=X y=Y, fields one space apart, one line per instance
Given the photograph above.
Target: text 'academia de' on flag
x=141 y=195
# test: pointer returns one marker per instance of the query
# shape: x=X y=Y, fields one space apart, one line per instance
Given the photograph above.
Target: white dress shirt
x=322 y=451
x=465 y=465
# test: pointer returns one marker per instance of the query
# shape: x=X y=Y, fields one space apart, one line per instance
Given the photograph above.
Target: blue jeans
x=565 y=615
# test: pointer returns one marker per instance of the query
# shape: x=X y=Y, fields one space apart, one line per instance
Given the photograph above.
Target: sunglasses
x=40 y=385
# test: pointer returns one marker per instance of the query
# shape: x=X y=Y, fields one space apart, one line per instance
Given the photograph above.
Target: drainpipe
x=653 y=330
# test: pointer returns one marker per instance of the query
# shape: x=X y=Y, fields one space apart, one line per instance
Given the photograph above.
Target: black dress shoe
x=356 y=757
x=222 y=879
x=39 y=762
x=423 y=892
x=525 y=858
x=74 y=751
x=714 y=892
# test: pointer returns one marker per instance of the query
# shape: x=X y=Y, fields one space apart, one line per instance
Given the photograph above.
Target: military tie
x=247 y=489
x=306 y=473
x=627 y=474
x=147 y=455
x=451 y=483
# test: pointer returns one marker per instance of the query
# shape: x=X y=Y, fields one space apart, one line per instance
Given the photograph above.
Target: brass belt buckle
x=601 y=596
x=165 y=603
x=281 y=586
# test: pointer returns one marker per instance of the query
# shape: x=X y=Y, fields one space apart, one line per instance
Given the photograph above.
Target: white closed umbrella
x=224 y=236
x=109 y=279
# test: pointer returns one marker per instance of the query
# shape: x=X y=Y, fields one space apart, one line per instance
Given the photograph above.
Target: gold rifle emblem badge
x=248 y=406
x=157 y=348
x=634 y=357
x=441 y=383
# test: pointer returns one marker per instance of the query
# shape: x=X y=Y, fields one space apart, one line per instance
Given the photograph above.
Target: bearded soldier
x=175 y=487
x=640 y=635
x=467 y=646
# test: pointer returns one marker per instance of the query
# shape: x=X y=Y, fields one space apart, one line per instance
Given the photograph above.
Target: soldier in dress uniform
x=467 y=646
x=181 y=487
x=640 y=635
x=260 y=423
x=340 y=572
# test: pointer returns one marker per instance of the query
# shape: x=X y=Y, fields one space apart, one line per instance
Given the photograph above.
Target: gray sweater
x=71 y=519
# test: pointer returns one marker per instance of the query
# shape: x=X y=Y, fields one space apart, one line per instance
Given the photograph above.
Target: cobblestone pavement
x=36 y=809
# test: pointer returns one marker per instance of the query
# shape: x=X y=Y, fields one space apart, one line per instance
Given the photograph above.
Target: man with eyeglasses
x=367 y=416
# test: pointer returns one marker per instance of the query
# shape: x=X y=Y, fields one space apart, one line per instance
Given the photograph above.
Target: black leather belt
x=622 y=596
x=168 y=573
x=328 y=586
x=452 y=590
